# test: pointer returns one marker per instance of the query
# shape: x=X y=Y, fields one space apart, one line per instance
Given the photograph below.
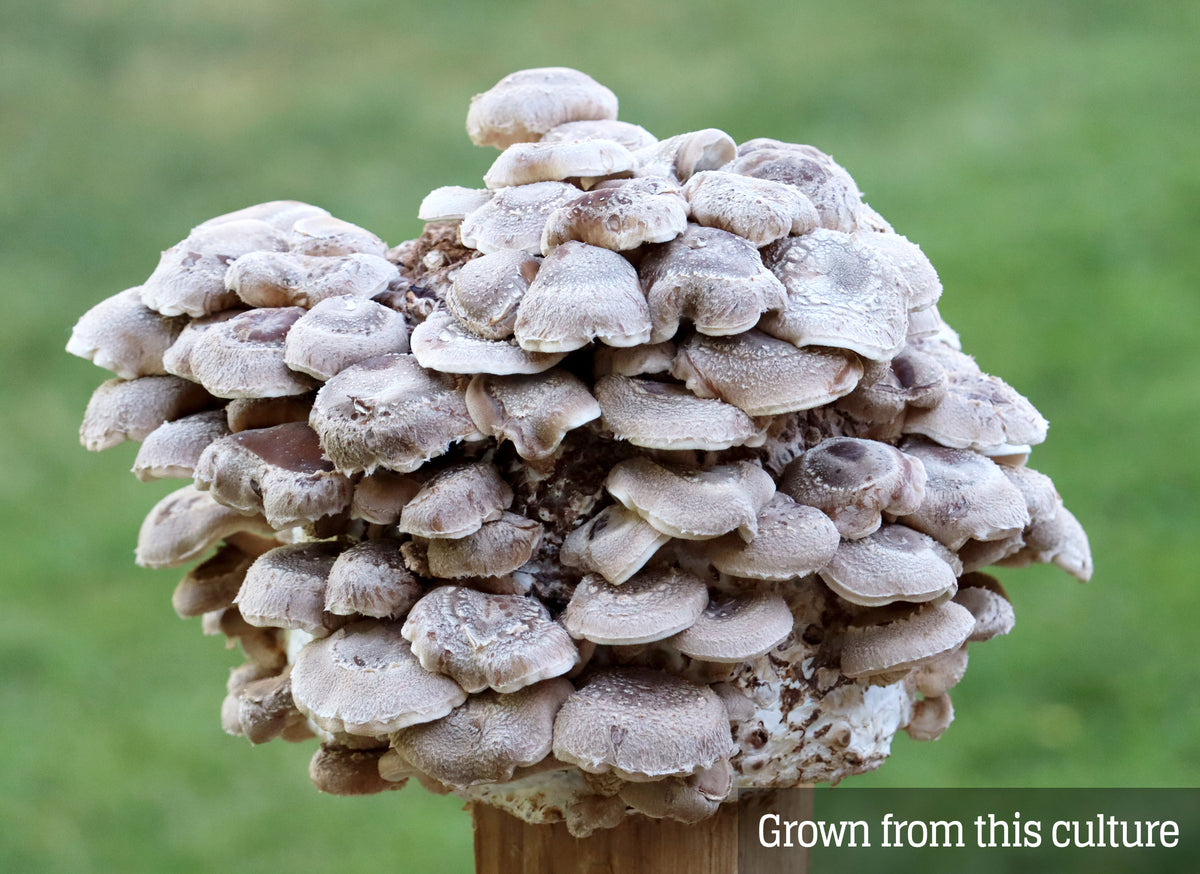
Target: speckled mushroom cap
x=683 y=444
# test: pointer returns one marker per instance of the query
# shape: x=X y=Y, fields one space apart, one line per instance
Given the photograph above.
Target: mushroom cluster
x=647 y=472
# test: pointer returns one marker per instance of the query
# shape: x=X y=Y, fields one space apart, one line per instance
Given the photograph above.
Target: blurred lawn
x=1043 y=154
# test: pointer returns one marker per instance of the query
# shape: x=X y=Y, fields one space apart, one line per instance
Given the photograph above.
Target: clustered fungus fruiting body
x=649 y=471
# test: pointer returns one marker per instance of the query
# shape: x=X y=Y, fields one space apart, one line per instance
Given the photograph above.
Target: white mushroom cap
x=631 y=136
x=758 y=210
x=633 y=360
x=651 y=605
x=678 y=157
x=735 y=629
x=582 y=293
x=893 y=564
x=389 y=412
x=924 y=286
x=1060 y=540
x=243 y=357
x=487 y=738
x=177 y=357
x=497 y=548
x=285 y=588
x=488 y=289
x=279 y=214
x=456 y=502
x=340 y=331
x=283 y=279
x=514 y=217
x=524 y=105
x=125 y=336
x=503 y=642
x=186 y=524
x=982 y=413
x=911 y=378
x=441 y=343
x=639 y=211
x=451 y=203
x=855 y=482
x=121 y=410
x=364 y=679
x=615 y=543
x=906 y=643
x=329 y=236
x=642 y=725
x=831 y=189
x=712 y=277
x=986 y=599
x=190 y=276
x=693 y=504
x=930 y=718
x=535 y=412
x=172 y=449
x=840 y=293
x=370 y=579
x=659 y=415
x=524 y=163
x=762 y=375
x=792 y=541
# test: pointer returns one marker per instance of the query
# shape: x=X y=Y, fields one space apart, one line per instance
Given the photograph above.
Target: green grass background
x=1044 y=154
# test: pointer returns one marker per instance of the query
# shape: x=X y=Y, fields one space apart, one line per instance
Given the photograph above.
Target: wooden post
x=639 y=845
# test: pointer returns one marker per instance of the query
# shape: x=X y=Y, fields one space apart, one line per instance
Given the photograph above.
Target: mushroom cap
x=982 y=413
x=524 y=163
x=631 y=136
x=173 y=448
x=389 y=412
x=502 y=642
x=340 y=331
x=582 y=293
x=633 y=360
x=985 y=598
x=212 y=584
x=285 y=588
x=380 y=497
x=712 y=277
x=246 y=414
x=535 y=412
x=330 y=236
x=524 y=105
x=370 y=579
x=840 y=293
x=487 y=290
x=683 y=799
x=279 y=214
x=451 y=203
x=514 y=217
x=651 y=605
x=456 y=502
x=905 y=643
x=285 y=279
x=762 y=375
x=930 y=718
x=339 y=770
x=693 y=504
x=911 y=378
x=1059 y=539
x=678 y=157
x=364 y=679
x=894 y=563
x=648 y=210
x=659 y=415
x=488 y=737
x=615 y=543
x=132 y=409
x=758 y=210
x=924 y=286
x=792 y=541
x=187 y=523
x=499 y=547
x=442 y=343
x=641 y=724
x=821 y=179
x=177 y=357
x=280 y=472
x=243 y=357
x=125 y=336
x=735 y=629
x=855 y=481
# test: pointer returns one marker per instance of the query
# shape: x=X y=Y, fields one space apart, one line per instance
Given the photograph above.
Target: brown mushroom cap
x=456 y=502
x=340 y=331
x=285 y=588
x=338 y=770
x=615 y=543
x=380 y=497
x=930 y=718
x=984 y=597
x=503 y=642
x=246 y=414
x=762 y=375
x=659 y=415
x=683 y=799
x=525 y=163
x=497 y=548
x=758 y=210
x=821 y=179
x=132 y=409
x=693 y=504
x=212 y=584
x=364 y=679
x=487 y=738
x=641 y=725
x=651 y=605
x=582 y=293
x=712 y=277
x=243 y=357
x=284 y=279
x=442 y=343
x=125 y=336
x=280 y=472
x=389 y=412
x=905 y=643
x=1059 y=539
x=982 y=413
x=524 y=105
x=855 y=481
x=514 y=217
x=487 y=290
x=792 y=541
x=639 y=211
x=893 y=564
x=735 y=629
x=186 y=524
x=840 y=294
x=173 y=448
x=370 y=579
x=535 y=412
